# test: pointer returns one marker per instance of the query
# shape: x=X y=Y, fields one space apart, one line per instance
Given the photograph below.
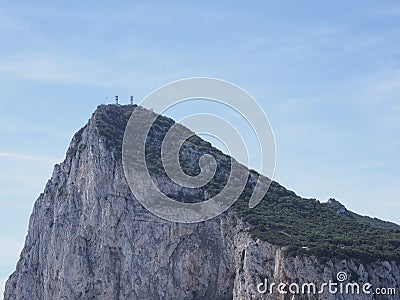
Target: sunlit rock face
x=89 y=238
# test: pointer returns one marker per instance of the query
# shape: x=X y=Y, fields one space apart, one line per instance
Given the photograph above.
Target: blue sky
x=326 y=73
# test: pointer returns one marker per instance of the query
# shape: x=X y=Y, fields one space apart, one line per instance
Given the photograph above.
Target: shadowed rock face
x=89 y=238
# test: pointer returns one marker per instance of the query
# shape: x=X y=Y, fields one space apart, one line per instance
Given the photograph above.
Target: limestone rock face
x=262 y=260
x=89 y=238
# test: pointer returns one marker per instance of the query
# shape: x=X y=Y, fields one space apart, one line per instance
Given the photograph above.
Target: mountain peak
x=282 y=218
x=338 y=207
x=89 y=237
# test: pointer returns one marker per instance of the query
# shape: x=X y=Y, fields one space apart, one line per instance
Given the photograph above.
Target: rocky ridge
x=89 y=238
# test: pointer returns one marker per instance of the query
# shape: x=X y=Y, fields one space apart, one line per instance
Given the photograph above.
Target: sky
x=327 y=74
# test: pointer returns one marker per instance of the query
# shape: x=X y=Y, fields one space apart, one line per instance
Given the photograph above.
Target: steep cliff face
x=89 y=238
x=262 y=260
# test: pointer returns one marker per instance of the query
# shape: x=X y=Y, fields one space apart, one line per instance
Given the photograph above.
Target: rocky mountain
x=89 y=238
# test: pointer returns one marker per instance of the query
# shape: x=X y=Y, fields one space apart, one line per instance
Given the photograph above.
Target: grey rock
x=89 y=238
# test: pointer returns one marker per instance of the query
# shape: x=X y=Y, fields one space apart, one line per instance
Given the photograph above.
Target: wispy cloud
x=9 y=24
x=56 y=69
x=393 y=10
x=21 y=126
x=83 y=70
x=26 y=157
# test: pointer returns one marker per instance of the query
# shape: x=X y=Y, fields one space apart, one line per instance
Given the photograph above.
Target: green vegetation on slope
x=111 y=121
x=304 y=226
x=307 y=226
